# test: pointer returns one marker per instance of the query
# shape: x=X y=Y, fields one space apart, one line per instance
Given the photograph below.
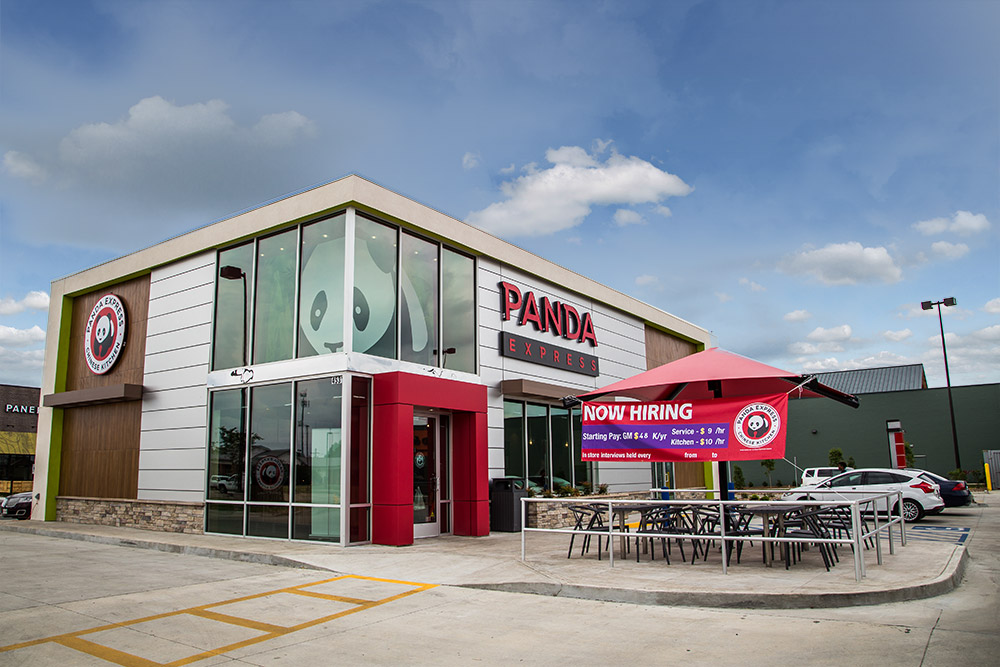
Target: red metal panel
x=392 y=525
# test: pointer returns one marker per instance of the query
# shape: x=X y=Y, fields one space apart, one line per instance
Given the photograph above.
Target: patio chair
x=812 y=526
x=738 y=525
x=589 y=518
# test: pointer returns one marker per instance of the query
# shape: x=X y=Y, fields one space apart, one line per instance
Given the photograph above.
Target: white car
x=919 y=496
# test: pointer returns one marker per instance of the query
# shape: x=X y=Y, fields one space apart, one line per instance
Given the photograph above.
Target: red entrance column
x=394 y=397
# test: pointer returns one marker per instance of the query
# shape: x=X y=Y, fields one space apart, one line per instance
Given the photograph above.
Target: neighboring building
x=210 y=383
x=17 y=437
x=888 y=394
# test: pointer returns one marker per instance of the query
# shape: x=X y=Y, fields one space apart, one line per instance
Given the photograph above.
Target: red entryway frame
x=394 y=396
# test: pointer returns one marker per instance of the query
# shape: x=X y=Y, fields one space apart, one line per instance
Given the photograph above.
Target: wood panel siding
x=129 y=369
x=100 y=443
x=100 y=454
x=662 y=348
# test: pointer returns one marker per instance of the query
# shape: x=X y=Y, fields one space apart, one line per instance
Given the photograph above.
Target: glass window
x=275 y=298
x=374 y=312
x=316 y=523
x=227 y=445
x=539 y=471
x=224 y=518
x=562 y=449
x=458 y=317
x=418 y=312
x=267 y=521
x=360 y=458
x=317 y=442
x=850 y=479
x=270 y=442
x=232 y=307
x=513 y=439
x=321 y=288
x=581 y=469
x=880 y=478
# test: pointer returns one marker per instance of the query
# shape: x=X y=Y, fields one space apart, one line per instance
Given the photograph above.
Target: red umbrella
x=715 y=373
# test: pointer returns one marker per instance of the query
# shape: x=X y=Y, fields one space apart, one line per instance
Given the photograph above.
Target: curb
x=947 y=581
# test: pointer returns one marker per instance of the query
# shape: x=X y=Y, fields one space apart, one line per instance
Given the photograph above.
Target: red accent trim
x=394 y=396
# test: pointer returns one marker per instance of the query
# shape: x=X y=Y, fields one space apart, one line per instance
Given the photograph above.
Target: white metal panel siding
x=621 y=350
x=178 y=345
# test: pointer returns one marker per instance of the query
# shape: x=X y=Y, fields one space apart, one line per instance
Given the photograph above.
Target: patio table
x=773 y=516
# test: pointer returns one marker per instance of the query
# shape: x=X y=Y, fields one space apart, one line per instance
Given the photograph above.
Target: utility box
x=505 y=505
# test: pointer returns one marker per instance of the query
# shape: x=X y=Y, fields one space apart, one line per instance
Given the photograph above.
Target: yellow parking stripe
x=75 y=641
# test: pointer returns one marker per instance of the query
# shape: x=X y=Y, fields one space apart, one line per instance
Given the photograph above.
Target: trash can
x=505 y=505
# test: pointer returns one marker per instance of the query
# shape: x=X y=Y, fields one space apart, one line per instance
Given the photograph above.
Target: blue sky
x=793 y=176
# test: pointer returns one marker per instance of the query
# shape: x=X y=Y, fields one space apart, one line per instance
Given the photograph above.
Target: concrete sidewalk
x=924 y=568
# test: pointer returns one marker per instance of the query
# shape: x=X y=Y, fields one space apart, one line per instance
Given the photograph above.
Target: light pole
x=927 y=305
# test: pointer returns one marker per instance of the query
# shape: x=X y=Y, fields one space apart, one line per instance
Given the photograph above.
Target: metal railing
x=857 y=538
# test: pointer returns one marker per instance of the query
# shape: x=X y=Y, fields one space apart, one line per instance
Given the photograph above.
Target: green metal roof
x=876 y=380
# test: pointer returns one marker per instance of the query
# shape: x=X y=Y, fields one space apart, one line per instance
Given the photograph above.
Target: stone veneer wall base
x=159 y=515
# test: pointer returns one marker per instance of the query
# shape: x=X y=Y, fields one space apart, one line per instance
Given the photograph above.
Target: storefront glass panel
x=224 y=518
x=562 y=450
x=458 y=316
x=321 y=288
x=232 y=307
x=539 y=471
x=582 y=469
x=513 y=439
x=316 y=523
x=270 y=443
x=419 y=288
x=318 y=437
x=374 y=314
x=267 y=521
x=275 y=293
x=360 y=473
x=227 y=445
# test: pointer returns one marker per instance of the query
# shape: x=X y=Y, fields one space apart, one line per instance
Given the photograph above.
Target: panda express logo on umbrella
x=757 y=425
x=105 y=335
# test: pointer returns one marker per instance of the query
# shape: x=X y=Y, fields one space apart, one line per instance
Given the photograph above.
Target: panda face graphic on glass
x=374 y=297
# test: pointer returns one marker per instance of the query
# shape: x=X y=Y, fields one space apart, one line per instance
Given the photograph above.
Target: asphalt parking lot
x=73 y=602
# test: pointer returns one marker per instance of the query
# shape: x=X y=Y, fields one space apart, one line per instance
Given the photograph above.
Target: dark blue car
x=954 y=492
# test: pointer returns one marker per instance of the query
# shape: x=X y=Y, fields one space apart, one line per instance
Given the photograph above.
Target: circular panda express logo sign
x=757 y=425
x=105 y=334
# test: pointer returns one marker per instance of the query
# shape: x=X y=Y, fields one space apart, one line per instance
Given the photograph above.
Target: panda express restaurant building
x=342 y=365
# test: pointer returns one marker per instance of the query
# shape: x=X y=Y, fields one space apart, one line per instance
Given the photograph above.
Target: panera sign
x=547 y=316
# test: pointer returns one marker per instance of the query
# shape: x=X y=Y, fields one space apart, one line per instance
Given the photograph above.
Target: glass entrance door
x=430 y=476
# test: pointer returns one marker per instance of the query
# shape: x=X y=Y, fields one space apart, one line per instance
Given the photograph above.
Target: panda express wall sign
x=105 y=335
x=549 y=316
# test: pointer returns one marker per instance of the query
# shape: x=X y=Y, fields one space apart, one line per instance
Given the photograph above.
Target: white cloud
x=626 y=216
x=841 y=333
x=844 y=264
x=963 y=223
x=545 y=201
x=754 y=287
x=797 y=316
x=723 y=297
x=470 y=161
x=993 y=306
x=989 y=334
x=665 y=211
x=509 y=169
x=22 y=366
x=646 y=280
x=950 y=250
x=882 y=358
x=22 y=166
x=897 y=336
x=21 y=337
x=803 y=348
x=34 y=300
x=159 y=142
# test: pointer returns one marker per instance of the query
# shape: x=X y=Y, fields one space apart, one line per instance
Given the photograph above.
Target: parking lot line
x=76 y=641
